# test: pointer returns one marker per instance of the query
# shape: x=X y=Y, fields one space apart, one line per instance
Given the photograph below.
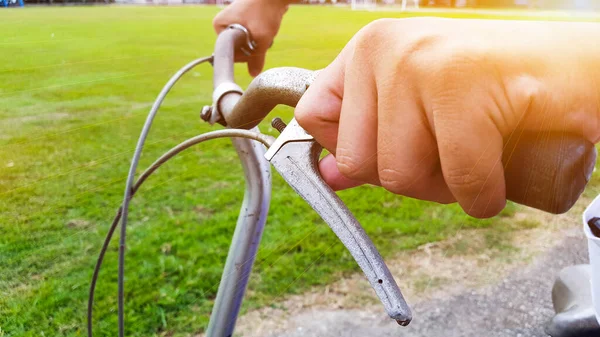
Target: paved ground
x=518 y=306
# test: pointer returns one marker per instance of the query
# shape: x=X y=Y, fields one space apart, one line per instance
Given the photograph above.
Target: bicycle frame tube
x=253 y=214
x=246 y=238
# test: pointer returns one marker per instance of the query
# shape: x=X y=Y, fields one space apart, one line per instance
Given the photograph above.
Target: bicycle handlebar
x=548 y=171
x=543 y=170
x=257 y=171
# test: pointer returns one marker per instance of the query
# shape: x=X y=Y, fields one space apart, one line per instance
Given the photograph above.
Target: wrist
x=274 y=5
x=280 y=3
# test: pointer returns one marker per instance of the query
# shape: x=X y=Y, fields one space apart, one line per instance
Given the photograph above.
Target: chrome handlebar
x=235 y=109
x=257 y=171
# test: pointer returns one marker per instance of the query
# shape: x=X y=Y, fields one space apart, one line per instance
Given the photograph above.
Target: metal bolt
x=278 y=124
x=206 y=113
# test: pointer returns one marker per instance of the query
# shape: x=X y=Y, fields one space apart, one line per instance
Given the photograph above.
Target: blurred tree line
x=537 y=4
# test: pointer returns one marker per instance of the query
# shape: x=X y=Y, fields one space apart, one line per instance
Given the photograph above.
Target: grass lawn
x=75 y=86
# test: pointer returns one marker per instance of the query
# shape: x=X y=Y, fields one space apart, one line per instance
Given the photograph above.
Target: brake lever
x=295 y=155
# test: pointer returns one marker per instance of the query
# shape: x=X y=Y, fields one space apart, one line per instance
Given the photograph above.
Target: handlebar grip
x=547 y=171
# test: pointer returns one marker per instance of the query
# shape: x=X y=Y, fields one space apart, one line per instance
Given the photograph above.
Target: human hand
x=262 y=18
x=423 y=107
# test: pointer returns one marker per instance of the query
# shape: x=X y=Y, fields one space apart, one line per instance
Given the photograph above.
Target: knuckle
x=416 y=47
x=462 y=66
x=369 y=39
x=402 y=45
x=413 y=57
x=374 y=29
x=526 y=90
x=397 y=181
x=448 y=71
x=467 y=180
x=347 y=164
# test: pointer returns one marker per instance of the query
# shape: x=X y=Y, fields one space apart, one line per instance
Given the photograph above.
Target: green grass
x=75 y=86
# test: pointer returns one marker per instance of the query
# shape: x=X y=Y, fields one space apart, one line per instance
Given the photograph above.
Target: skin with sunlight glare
x=422 y=106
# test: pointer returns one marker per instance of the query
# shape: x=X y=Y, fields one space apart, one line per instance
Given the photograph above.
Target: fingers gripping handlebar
x=277 y=86
x=548 y=171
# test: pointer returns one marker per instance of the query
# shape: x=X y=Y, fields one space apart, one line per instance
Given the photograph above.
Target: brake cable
x=131 y=188
x=130 y=179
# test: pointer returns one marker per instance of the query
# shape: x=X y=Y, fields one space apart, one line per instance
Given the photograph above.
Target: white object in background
x=405 y=1
x=593 y=210
x=363 y=4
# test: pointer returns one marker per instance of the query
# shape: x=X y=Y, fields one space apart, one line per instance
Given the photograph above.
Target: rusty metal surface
x=275 y=86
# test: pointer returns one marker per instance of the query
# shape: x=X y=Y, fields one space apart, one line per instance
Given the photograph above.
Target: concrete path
x=517 y=306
